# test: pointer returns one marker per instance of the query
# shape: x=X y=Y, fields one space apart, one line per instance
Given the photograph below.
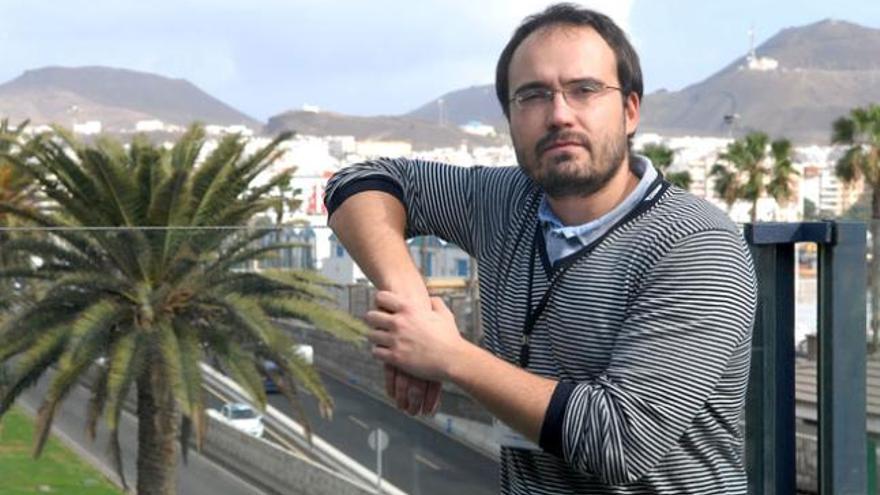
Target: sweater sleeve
x=692 y=317
x=458 y=204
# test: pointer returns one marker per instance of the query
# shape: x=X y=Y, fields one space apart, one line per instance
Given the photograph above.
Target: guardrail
x=770 y=409
x=319 y=452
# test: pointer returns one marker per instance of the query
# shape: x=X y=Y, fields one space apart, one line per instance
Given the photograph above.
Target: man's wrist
x=460 y=361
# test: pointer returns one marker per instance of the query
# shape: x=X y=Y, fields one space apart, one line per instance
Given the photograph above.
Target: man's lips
x=561 y=140
x=561 y=144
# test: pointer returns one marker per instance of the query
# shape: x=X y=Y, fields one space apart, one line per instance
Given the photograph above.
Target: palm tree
x=141 y=265
x=16 y=187
x=746 y=171
x=860 y=132
x=662 y=156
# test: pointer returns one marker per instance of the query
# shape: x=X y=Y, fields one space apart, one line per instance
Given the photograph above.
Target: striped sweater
x=647 y=329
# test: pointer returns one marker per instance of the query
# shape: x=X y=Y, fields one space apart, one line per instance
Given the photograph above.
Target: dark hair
x=629 y=71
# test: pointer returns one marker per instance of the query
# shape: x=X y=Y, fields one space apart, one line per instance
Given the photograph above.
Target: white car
x=241 y=417
x=306 y=352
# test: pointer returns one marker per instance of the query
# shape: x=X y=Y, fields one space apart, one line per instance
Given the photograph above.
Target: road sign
x=378 y=441
x=378 y=436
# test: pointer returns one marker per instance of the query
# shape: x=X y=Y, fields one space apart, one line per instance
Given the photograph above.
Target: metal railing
x=770 y=403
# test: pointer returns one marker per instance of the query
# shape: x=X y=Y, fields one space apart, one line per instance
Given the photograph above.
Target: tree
x=860 y=133
x=18 y=188
x=662 y=156
x=752 y=168
x=154 y=286
x=811 y=212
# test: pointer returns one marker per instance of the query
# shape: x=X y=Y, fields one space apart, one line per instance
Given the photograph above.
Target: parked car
x=240 y=416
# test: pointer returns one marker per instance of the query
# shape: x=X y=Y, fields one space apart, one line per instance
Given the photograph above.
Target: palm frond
x=44 y=352
x=191 y=355
x=339 y=324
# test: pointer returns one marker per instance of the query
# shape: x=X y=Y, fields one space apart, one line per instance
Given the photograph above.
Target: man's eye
x=585 y=89
x=527 y=96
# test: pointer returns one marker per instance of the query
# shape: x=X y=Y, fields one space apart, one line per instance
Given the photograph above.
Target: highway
x=419 y=460
x=199 y=477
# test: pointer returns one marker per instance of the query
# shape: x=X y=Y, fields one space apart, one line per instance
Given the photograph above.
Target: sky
x=376 y=57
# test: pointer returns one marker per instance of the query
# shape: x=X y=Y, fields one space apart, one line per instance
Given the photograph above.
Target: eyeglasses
x=577 y=94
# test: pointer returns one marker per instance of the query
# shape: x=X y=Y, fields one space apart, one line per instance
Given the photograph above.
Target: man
x=617 y=310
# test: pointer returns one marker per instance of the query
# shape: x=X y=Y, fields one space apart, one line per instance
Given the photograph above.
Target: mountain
x=421 y=133
x=822 y=71
x=116 y=97
x=477 y=103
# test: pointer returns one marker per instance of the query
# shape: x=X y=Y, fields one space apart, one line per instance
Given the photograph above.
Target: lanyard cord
x=535 y=312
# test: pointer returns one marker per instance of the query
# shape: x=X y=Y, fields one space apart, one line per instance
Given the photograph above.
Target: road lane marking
x=359 y=422
x=426 y=462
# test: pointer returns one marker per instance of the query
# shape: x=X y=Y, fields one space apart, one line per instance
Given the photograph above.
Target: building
x=432 y=256
x=89 y=128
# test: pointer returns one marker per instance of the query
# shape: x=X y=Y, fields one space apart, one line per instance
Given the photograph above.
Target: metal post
x=379 y=470
x=770 y=418
x=770 y=448
x=842 y=349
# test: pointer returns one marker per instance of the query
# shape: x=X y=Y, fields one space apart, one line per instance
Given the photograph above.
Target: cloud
x=263 y=56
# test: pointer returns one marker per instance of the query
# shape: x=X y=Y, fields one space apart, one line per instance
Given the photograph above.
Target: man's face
x=569 y=151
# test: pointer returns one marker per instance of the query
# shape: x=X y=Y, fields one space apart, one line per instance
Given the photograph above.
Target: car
x=269 y=384
x=306 y=352
x=240 y=416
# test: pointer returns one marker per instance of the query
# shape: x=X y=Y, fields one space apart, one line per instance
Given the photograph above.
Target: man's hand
x=411 y=394
x=416 y=340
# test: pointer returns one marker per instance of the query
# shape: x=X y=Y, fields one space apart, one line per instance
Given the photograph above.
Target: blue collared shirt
x=563 y=240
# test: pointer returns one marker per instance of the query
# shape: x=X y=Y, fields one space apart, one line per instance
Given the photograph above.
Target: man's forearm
x=429 y=345
x=371 y=226
x=513 y=395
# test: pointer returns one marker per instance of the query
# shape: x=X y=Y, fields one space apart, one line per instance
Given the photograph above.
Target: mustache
x=554 y=137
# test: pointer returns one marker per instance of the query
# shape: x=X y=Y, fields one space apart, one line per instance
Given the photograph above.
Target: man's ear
x=632 y=112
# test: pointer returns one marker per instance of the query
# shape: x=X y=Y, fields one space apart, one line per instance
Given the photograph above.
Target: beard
x=564 y=175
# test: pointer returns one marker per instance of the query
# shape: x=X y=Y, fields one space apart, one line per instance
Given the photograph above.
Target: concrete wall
x=354 y=364
x=807 y=461
x=272 y=468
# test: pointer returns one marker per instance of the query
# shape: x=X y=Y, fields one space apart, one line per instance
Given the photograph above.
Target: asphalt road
x=419 y=459
x=199 y=477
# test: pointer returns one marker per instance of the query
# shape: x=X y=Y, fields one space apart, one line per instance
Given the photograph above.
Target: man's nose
x=561 y=114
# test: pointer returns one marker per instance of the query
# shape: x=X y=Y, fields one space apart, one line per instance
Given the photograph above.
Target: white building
x=440 y=259
x=154 y=125
x=376 y=149
x=221 y=130
x=87 y=128
x=478 y=129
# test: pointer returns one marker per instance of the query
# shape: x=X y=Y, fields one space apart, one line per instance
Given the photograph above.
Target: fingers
x=381 y=353
x=401 y=385
x=379 y=320
x=390 y=377
x=415 y=395
x=388 y=301
x=432 y=398
x=380 y=338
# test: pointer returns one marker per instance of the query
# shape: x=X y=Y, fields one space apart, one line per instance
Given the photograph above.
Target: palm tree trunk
x=157 y=433
x=874 y=272
x=754 y=212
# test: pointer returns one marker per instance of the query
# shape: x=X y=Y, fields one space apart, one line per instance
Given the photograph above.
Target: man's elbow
x=615 y=468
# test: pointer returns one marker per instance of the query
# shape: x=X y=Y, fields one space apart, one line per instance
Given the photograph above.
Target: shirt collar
x=641 y=167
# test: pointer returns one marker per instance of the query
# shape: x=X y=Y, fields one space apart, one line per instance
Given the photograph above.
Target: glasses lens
x=580 y=94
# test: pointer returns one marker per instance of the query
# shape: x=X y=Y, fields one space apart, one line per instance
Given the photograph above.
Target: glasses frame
x=543 y=96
